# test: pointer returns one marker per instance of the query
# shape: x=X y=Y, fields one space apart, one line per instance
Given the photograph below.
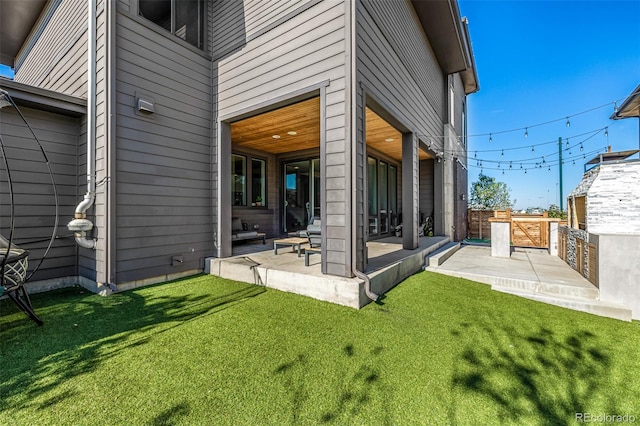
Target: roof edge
x=43 y=99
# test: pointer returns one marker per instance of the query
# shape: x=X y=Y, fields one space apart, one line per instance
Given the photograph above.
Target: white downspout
x=80 y=225
x=354 y=155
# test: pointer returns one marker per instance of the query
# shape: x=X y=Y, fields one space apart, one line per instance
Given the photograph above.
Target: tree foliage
x=489 y=194
x=554 y=211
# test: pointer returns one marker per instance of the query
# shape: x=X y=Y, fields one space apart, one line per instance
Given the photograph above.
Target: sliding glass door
x=382 y=192
x=301 y=193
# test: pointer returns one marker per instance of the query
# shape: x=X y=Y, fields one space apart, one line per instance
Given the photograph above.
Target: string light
x=581 y=147
x=533 y=149
x=502 y=153
x=567 y=143
x=567 y=118
x=606 y=131
x=526 y=132
x=490 y=138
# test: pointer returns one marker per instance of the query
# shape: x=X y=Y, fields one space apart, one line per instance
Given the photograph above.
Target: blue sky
x=541 y=61
x=6 y=71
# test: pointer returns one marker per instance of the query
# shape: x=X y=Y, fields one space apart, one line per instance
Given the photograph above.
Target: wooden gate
x=529 y=231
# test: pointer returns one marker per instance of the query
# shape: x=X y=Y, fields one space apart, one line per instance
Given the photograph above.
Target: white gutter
x=80 y=225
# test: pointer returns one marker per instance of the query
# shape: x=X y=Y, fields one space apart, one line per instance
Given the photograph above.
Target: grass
x=204 y=350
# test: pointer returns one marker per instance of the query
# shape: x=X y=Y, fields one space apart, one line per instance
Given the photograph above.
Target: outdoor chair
x=314 y=232
x=15 y=261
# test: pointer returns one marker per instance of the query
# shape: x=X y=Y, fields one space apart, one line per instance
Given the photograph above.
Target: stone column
x=500 y=237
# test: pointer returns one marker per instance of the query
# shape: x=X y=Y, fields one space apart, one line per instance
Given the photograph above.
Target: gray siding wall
x=303 y=50
x=58 y=59
x=163 y=159
x=396 y=62
x=426 y=204
x=396 y=65
x=34 y=200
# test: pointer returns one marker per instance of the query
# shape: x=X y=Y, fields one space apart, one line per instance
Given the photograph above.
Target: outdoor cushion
x=247 y=234
x=236 y=224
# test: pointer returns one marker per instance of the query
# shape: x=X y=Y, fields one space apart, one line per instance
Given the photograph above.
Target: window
x=239 y=180
x=183 y=18
x=248 y=181
x=258 y=181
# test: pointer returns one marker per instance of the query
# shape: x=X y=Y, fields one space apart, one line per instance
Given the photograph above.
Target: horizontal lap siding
x=33 y=193
x=300 y=52
x=396 y=62
x=163 y=160
x=58 y=59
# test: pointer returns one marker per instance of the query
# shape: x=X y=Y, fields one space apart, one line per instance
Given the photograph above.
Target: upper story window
x=183 y=18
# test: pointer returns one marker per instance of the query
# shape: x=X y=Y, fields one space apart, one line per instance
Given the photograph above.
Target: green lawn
x=204 y=350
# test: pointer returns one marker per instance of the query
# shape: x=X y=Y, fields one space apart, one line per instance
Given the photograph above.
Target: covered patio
x=388 y=264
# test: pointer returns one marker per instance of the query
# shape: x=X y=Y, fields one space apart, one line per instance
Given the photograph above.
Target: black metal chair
x=16 y=262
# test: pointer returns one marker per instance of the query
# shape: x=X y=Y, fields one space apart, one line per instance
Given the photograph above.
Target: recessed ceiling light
x=276 y=136
x=292 y=133
x=388 y=140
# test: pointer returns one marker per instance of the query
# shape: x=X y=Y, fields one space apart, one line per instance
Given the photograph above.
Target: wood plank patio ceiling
x=297 y=127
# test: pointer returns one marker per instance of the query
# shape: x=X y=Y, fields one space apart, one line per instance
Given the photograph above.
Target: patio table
x=293 y=242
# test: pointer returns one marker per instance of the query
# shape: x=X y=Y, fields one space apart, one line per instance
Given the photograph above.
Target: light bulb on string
x=490 y=138
x=533 y=149
x=574 y=162
x=498 y=164
x=503 y=172
x=568 y=122
x=525 y=171
x=581 y=147
x=475 y=154
x=568 y=143
x=510 y=165
x=549 y=168
x=606 y=131
x=543 y=160
x=521 y=166
x=615 y=107
x=502 y=153
x=526 y=132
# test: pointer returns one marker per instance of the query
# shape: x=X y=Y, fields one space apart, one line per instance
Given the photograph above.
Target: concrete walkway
x=530 y=273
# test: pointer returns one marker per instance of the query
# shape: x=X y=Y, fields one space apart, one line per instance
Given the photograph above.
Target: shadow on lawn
x=533 y=375
x=361 y=386
x=83 y=330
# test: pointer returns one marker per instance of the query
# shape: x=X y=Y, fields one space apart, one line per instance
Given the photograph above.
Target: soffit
x=17 y=18
x=630 y=107
x=303 y=118
x=449 y=37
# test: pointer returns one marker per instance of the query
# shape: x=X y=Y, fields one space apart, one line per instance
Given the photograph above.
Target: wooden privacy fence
x=527 y=230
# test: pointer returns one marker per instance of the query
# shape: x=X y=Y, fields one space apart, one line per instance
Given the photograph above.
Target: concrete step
x=595 y=307
x=554 y=289
x=443 y=253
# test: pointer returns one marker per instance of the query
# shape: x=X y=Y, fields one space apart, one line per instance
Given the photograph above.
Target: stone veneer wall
x=571 y=258
x=613 y=201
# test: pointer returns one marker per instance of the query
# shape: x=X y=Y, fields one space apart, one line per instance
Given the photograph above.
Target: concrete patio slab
x=531 y=273
x=388 y=265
